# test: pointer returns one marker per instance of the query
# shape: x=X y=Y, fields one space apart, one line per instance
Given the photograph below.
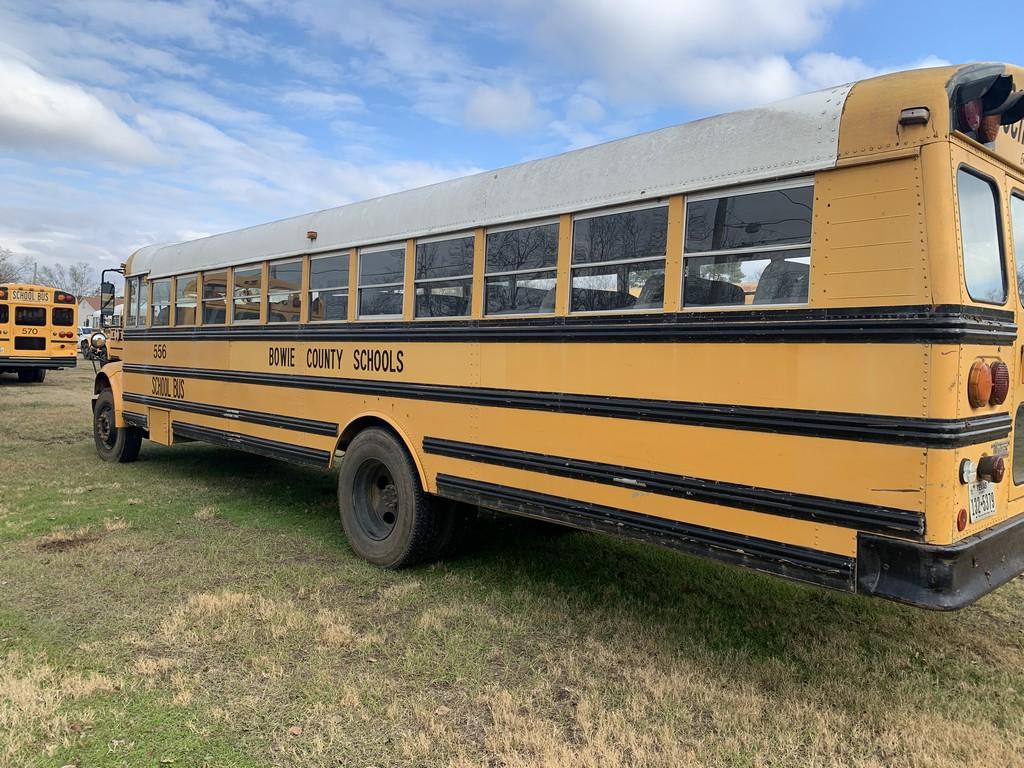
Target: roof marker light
x=915 y=116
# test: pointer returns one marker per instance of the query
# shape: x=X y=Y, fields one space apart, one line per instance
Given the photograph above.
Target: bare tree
x=80 y=279
x=11 y=270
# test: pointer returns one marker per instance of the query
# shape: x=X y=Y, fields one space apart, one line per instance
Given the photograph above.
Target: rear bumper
x=941 y=578
x=50 y=363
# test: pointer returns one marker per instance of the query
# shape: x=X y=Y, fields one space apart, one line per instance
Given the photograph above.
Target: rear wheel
x=387 y=517
x=113 y=443
x=32 y=376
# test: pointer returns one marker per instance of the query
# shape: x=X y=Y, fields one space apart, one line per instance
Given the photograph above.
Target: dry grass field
x=201 y=608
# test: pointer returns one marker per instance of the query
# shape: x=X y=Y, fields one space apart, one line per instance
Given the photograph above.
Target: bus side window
x=748 y=248
x=381 y=282
x=328 y=287
x=5 y=315
x=161 y=302
x=215 y=298
x=284 y=291
x=444 y=277
x=248 y=288
x=519 y=271
x=1017 y=224
x=186 y=299
x=618 y=260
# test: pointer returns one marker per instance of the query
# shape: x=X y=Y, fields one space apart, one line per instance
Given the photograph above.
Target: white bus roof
x=789 y=138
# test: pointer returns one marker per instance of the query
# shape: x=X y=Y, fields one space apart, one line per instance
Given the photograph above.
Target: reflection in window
x=624 y=260
x=381 y=282
x=248 y=285
x=444 y=277
x=143 y=307
x=516 y=279
x=284 y=291
x=186 y=298
x=979 y=236
x=748 y=248
x=1017 y=214
x=328 y=287
x=215 y=298
x=63 y=316
x=161 y=302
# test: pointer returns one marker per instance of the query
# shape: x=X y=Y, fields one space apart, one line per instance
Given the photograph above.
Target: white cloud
x=508 y=109
x=321 y=102
x=58 y=118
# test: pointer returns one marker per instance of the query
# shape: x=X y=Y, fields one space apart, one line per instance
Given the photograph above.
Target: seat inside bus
x=783 y=282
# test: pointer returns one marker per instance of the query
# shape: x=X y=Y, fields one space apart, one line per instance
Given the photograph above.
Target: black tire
x=114 y=444
x=32 y=376
x=388 y=519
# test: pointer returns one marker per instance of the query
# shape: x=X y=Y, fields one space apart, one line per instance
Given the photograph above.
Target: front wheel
x=32 y=375
x=387 y=517
x=113 y=443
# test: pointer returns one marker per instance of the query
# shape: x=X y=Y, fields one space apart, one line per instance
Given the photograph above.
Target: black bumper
x=49 y=363
x=941 y=578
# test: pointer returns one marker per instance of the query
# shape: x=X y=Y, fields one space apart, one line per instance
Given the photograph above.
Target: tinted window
x=29 y=316
x=5 y=315
x=444 y=258
x=620 y=236
x=435 y=261
x=215 y=298
x=63 y=316
x=520 y=249
x=328 y=283
x=521 y=293
x=1017 y=214
x=979 y=234
x=749 y=220
x=384 y=274
x=749 y=240
x=382 y=267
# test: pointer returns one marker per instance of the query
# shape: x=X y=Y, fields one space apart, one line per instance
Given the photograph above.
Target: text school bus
x=38 y=330
x=784 y=338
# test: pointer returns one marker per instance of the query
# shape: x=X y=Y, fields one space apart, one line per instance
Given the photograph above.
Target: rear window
x=63 y=316
x=980 y=239
x=29 y=316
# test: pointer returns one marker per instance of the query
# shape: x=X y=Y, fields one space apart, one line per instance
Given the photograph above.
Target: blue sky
x=125 y=122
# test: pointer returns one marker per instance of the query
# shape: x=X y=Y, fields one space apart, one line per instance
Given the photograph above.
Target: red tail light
x=1000 y=382
x=992 y=468
x=969 y=116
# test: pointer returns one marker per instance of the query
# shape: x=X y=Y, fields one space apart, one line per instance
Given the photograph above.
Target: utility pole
x=35 y=273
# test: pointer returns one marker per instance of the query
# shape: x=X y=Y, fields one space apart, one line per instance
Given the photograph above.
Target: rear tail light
x=969 y=116
x=1000 y=382
x=992 y=468
x=979 y=384
x=961 y=519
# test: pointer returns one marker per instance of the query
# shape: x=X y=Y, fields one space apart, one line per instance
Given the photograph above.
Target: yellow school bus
x=38 y=330
x=784 y=338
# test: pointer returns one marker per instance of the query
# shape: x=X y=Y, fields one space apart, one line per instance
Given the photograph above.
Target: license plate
x=983 y=500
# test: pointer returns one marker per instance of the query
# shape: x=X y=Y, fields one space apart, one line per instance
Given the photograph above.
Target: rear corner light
x=3 y=294
x=988 y=131
x=961 y=520
x=969 y=116
x=979 y=384
x=1000 y=382
x=992 y=468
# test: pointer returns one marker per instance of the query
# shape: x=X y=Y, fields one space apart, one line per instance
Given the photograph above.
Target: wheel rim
x=375 y=499
x=105 y=425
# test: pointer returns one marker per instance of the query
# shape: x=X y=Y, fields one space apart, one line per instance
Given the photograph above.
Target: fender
x=354 y=426
x=110 y=377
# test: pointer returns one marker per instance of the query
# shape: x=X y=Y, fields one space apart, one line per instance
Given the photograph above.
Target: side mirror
x=106 y=303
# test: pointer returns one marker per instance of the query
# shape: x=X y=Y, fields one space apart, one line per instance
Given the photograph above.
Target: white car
x=83 y=339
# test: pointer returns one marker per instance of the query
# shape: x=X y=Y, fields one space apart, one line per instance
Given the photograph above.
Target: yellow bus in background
x=38 y=330
x=784 y=338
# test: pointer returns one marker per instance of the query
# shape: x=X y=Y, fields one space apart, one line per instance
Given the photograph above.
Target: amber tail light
x=979 y=384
